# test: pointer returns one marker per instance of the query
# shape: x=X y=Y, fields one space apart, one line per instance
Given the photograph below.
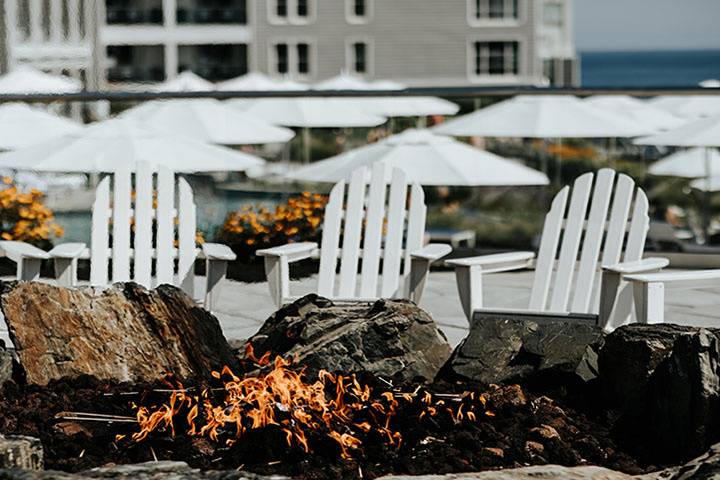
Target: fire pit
x=272 y=409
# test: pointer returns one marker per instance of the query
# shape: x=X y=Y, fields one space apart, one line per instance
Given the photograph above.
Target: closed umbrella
x=259 y=82
x=186 y=81
x=22 y=125
x=121 y=142
x=26 y=79
x=428 y=159
x=209 y=120
x=637 y=110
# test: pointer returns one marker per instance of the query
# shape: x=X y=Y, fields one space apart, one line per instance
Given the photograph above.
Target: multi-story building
x=417 y=42
x=118 y=43
x=58 y=36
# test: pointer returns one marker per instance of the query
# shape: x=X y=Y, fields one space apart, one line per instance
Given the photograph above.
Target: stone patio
x=243 y=307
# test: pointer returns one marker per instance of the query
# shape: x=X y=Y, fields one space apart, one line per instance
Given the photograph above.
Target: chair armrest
x=292 y=251
x=499 y=262
x=638 y=266
x=16 y=251
x=68 y=250
x=694 y=277
x=432 y=252
x=217 y=251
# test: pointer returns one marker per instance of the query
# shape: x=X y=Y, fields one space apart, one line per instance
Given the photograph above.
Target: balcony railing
x=212 y=15
x=133 y=16
x=131 y=73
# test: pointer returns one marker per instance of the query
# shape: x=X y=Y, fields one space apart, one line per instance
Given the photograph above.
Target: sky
x=647 y=24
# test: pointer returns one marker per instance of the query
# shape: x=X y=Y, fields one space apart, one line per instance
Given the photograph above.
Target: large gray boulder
x=504 y=349
x=664 y=380
x=389 y=338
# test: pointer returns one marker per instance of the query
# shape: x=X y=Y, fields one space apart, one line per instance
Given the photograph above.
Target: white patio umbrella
x=690 y=107
x=117 y=143
x=186 y=81
x=310 y=112
x=690 y=163
x=22 y=125
x=345 y=81
x=26 y=79
x=428 y=159
x=637 y=110
x=543 y=116
x=209 y=120
x=709 y=185
x=704 y=133
x=257 y=82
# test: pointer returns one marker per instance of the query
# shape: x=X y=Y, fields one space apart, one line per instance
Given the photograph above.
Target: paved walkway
x=243 y=307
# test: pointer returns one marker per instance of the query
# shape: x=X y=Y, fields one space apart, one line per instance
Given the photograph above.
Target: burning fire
x=337 y=406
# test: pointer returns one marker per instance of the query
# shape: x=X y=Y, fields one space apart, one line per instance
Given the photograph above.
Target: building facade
x=56 y=36
x=123 y=43
x=417 y=42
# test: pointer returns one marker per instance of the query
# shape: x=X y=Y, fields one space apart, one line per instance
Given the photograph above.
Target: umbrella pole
x=707 y=195
x=306 y=145
x=558 y=163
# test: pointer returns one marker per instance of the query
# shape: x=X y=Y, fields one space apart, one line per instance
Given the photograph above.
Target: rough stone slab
x=121 y=333
x=390 y=338
x=142 y=471
x=505 y=349
x=6 y=364
x=664 y=380
x=544 y=472
x=21 y=452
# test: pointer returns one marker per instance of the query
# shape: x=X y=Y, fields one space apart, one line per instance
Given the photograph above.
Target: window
x=496 y=9
x=495 y=58
x=360 y=57
x=359 y=8
x=302 y=8
x=553 y=13
x=303 y=58
x=281 y=56
x=281 y=8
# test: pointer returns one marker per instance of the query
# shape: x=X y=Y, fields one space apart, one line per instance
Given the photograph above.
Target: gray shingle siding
x=417 y=42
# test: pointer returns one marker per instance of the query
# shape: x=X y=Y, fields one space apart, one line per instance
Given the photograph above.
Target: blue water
x=681 y=68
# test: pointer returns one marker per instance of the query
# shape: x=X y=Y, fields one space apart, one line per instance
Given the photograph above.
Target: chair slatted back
x=164 y=233
x=376 y=225
x=595 y=224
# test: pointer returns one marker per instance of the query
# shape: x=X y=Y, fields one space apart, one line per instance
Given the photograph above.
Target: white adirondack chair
x=170 y=243
x=390 y=225
x=609 y=240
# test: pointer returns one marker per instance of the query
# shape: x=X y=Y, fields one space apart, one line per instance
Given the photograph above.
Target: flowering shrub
x=255 y=227
x=24 y=216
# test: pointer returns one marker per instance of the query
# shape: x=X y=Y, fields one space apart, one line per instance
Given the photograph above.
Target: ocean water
x=680 y=68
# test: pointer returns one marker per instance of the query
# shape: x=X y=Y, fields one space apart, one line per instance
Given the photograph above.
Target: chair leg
x=469 y=284
x=28 y=269
x=419 y=271
x=277 y=271
x=649 y=302
x=65 y=271
x=216 y=271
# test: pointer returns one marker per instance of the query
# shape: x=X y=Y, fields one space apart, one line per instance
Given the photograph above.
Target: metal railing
x=467 y=92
